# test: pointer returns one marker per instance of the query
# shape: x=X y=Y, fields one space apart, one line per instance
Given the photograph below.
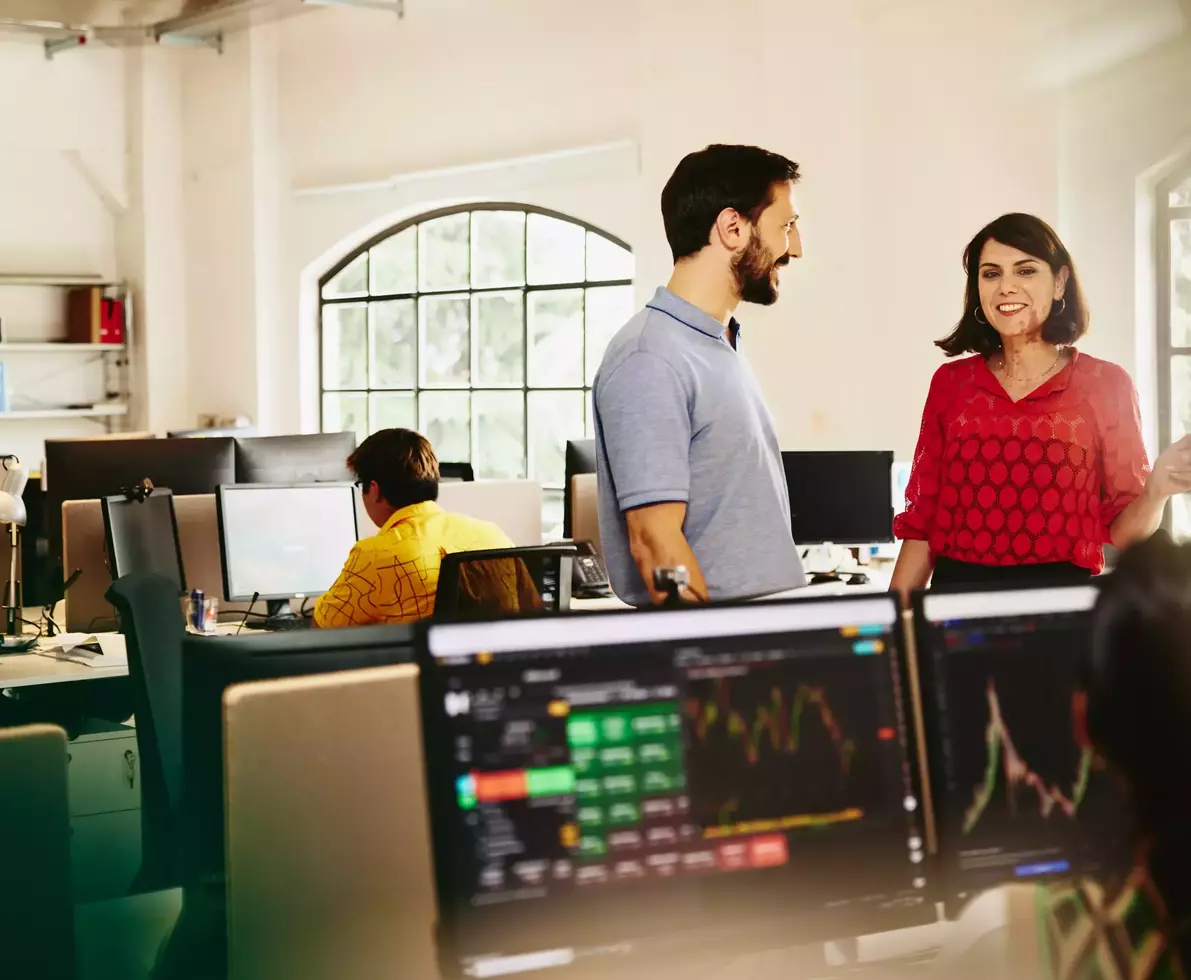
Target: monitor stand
x=279 y=615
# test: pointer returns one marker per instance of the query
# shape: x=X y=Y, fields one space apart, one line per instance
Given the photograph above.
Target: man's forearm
x=654 y=549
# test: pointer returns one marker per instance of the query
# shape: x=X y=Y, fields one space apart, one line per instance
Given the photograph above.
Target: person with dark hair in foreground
x=1030 y=457
x=688 y=463
x=393 y=576
x=1133 y=712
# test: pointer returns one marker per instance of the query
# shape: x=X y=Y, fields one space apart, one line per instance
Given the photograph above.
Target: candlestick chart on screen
x=1011 y=780
x=767 y=747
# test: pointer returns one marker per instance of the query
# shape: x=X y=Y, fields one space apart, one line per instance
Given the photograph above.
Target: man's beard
x=754 y=273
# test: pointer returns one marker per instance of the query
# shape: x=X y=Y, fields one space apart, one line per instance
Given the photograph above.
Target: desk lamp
x=12 y=512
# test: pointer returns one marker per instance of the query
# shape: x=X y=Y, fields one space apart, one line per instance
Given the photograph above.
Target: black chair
x=151 y=620
x=504 y=581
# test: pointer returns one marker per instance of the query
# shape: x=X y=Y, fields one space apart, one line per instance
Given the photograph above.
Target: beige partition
x=585 y=515
x=515 y=506
x=328 y=842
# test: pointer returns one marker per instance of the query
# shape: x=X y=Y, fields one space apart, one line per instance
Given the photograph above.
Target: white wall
x=915 y=121
x=62 y=156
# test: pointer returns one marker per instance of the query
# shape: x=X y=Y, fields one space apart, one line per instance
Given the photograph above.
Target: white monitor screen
x=280 y=542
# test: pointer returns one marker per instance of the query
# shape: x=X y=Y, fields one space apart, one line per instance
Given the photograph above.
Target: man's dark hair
x=401 y=462
x=1064 y=325
x=721 y=176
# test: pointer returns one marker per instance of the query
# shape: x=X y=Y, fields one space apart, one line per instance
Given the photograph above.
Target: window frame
x=1167 y=214
x=526 y=289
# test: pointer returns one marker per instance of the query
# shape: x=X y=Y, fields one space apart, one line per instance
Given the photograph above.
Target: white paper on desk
x=69 y=646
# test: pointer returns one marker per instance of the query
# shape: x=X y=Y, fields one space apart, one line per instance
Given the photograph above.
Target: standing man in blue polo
x=689 y=468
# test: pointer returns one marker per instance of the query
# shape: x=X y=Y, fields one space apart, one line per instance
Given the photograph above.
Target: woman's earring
x=976 y=314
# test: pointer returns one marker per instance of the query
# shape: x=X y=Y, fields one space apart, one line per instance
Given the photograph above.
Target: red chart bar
x=497 y=787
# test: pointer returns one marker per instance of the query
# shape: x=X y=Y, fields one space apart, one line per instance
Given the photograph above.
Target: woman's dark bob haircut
x=1066 y=323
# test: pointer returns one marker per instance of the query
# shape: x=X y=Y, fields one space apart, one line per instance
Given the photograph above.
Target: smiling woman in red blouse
x=1030 y=457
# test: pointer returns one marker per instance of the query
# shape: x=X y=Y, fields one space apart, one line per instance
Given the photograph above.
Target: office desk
x=31 y=669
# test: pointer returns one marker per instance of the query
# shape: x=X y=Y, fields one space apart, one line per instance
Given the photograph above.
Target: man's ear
x=731 y=229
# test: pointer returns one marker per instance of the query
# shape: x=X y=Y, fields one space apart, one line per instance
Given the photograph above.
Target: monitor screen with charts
x=1016 y=795
x=280 y=542
x=708 y=780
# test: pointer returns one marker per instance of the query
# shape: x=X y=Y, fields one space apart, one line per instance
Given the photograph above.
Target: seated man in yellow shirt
x=393 y=576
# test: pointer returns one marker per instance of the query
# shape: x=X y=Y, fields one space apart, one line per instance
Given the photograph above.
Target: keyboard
x=281 y=624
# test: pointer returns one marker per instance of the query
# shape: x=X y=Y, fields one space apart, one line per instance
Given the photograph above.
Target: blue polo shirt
x=679 y=417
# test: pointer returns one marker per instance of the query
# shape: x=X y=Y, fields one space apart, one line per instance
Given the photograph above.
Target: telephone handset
x=589 y=579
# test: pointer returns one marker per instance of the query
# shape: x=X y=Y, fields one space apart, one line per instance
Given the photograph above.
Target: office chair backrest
x=151 y=620
x=504 y=581
x=36 y=907
x=585 y=511
x=456 y=471
x=328 y=845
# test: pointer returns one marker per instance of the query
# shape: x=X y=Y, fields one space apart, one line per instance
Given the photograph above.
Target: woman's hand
x=1172 y=471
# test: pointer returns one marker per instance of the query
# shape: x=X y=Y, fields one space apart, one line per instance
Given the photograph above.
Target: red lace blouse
x=997 y=482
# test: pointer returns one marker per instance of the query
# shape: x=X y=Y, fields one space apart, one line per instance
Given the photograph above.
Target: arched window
x=482 y=327
x=1174 y=324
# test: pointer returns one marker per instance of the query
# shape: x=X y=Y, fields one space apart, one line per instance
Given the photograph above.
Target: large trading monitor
x=314 y=458
x=142 y=536
x=669 y=783
x=840 y=497
x=1017 y=796
x=212 y=664
x=580 y=458
x=284 y=542
x=91 y=469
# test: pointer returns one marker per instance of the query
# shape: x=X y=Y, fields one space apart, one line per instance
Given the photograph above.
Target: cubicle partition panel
x=84 y=547
x=515 y=506
x=585 y=513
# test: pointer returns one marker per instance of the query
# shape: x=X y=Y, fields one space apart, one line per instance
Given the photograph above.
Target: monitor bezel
x=807 y=927
x=950 y=882
x=225 y=564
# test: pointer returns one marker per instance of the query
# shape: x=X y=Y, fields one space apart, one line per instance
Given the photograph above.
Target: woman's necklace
x=1037 y=377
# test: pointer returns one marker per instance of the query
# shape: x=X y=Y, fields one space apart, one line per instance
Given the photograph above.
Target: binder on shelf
x=93 y=318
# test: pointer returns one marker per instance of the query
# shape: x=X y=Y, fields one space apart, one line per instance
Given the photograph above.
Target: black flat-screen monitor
x=92 y=469
x=142 y=536
x=1018 y=796
x=279 y=542
x=580 y=458
x=840 y=497
x=212 y=664
x=315 y=458
x=457 y=472
x=670 y=784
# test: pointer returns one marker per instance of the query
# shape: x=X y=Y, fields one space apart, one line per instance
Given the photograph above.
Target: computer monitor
x=212 y=664
x=315 y=458
x=457 y=472
x=690 y=782
x=142 y=536
x=580 y=458
x=91 y=469
x=1016 y=796
x=840 y=497
x=282 y=542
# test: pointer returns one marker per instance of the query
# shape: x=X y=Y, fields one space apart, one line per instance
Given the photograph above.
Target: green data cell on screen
x=620 y=814
x=653 y=753
x=554 y=781
x=662 y=781
x=614 y=727
x=584 y=761
x=582 y=731
x=590 y=816
x=621 y=785
x=617 y=757
x=650 y=724
x=592 y=846
x=588 y=789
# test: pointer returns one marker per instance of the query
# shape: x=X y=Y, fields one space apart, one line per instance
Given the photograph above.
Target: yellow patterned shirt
x=393 y=576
